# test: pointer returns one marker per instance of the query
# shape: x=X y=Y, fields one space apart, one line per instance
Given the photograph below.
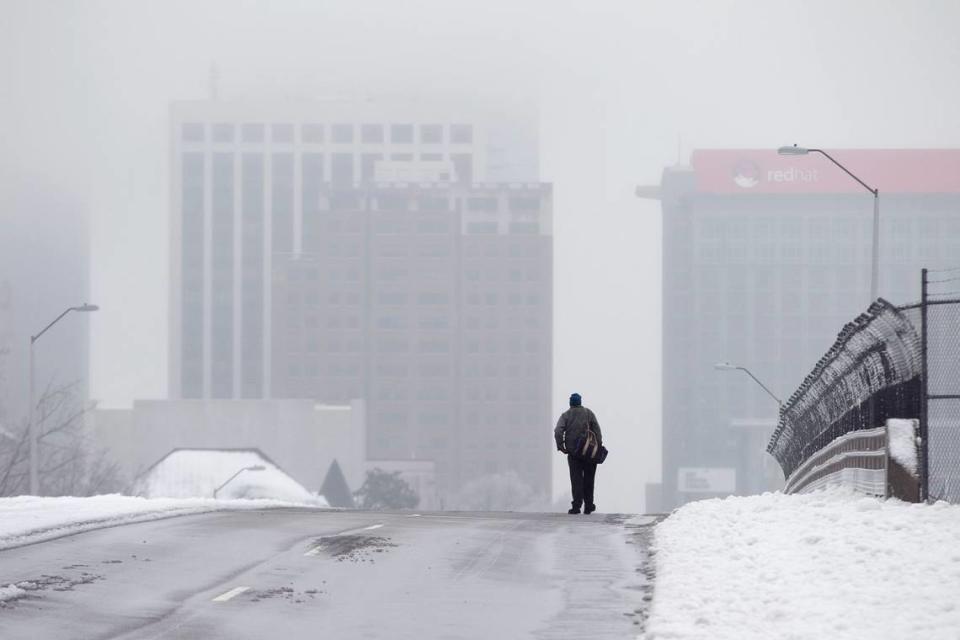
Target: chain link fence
x=939 y=315
x=891 y=362
x=871 y=373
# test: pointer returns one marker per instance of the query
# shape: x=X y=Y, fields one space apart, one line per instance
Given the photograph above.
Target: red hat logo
x=746 y=174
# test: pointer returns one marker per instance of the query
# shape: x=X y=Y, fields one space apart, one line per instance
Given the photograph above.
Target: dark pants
x=582 y=474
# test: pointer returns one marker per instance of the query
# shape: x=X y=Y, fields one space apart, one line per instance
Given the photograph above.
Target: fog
x=620 y=90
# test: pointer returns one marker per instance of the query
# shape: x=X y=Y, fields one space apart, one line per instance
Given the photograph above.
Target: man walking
x=573 y=423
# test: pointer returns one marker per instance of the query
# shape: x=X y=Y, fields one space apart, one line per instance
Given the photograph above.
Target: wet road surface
x=327 y=574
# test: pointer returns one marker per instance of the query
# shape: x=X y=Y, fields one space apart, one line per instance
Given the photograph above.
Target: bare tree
x=69 y=463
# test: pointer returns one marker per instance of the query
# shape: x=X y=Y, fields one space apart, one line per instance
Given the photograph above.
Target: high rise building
x=765 y=258
x=335 y=251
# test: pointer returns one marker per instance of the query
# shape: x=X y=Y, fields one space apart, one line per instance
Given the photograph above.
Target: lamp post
x=875 y=257
x=256 y=467
x=726 y=366
x=32 y=426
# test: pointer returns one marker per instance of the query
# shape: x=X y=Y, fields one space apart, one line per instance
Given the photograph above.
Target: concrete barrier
x=880 y=462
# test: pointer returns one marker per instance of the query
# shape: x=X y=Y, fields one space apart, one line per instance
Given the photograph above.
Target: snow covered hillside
x=829 y=564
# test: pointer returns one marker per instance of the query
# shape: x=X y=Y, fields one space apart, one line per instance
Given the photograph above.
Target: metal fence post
x=924 y=394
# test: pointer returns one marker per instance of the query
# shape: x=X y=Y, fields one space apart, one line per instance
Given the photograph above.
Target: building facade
x=327 y=252
x=765 y=258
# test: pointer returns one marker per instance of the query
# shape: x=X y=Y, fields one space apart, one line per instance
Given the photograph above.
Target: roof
x=764 y=171
x=199 y=473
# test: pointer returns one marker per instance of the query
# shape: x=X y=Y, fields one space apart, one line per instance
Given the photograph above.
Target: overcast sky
x=623 y=89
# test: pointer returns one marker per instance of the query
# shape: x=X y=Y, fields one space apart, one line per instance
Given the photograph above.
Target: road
x=326 y=574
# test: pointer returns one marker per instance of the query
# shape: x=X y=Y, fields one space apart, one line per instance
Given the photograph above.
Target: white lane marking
x=223 y=597
x=352 y=531
x=414 y=515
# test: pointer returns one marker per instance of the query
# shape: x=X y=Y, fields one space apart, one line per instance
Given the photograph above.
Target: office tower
x=765 y=258
x=334 y=251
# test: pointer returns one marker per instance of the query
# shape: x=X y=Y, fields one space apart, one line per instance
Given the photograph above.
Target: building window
x=341 y=169
x=390 y=226
x=342 y=133
x=368 y=166
x=481 y=227
x=371 y=133
x=463 y=167
x=430 y=298
x=312 y=133
x=525 y=205
x=191 y=132
x=222 y=132
x=434 y=250
x=461 y=133
x=282 y=133
x=433 y=346
x=433 y=226
x=392 y=298
x=431 y=133
x=431 y=157
x=401 y=133
x=251 y=132
x=434 y=370
x=389 y=322
x=438 y=322
x=433 y=204
x=345 y=201
x=521 y=228
x=392 y=202
x=482 y=204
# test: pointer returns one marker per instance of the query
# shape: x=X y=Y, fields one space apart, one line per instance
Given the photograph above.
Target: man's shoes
x=590 y=508
x=573 y=511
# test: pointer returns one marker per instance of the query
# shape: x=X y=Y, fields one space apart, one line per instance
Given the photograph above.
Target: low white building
x=302 y=437
x=221 y=473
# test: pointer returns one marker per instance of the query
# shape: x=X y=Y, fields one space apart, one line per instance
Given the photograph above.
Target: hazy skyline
x=623 y=89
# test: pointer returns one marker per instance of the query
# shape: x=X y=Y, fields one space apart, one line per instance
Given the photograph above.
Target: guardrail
x=880 y=462
x=858 y=458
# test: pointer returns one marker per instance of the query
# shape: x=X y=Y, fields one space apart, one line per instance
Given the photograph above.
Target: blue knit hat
x=575 y=400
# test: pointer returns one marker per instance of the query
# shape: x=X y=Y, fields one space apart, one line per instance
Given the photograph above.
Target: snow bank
x=902 y=437
x=29 y=519
x=11 y=592
x=828 y=564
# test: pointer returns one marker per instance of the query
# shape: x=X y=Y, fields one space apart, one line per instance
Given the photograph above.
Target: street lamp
x=875 y=258
x=726 y=366
x=256 y=467
x=32 y=427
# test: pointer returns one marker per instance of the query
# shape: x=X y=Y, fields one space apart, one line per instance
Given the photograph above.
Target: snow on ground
x=903 y=443
x=28 y=519
x=11 y=592
x=828 y=564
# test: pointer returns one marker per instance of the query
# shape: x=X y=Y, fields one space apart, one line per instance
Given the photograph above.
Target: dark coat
x=572 y=424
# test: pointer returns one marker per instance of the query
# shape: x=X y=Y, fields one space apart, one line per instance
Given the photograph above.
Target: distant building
x=303 y=437
x=335 y=251
x=765 y=258
x=226 y=474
